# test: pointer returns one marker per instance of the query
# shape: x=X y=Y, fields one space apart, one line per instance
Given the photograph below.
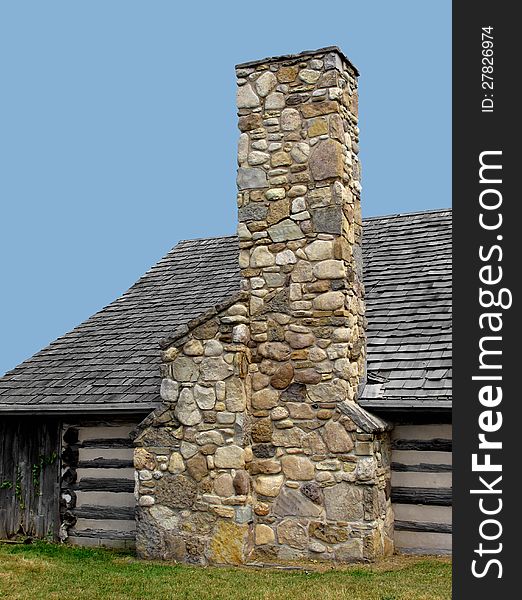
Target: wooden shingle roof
x=111 y=361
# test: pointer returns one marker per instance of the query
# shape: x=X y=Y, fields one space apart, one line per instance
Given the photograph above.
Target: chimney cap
x=296 y=57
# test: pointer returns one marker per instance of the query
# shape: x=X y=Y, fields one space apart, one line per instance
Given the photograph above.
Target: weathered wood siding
x=29 y=477
x=421 y=488
x=98 y=477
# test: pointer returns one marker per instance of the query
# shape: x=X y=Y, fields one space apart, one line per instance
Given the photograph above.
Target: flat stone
x=290 y=502
x=268 y=485
x=245 y=97
x=329 y=269
x=286 y=257
x=299 y=468
x=319 y=250
x=350 y=551
x=261 y=257
x=332 y=391
x=253 y=211
x=275 y=101
x=317 y=127
x=302 y=272
x=223 y=485
x=229 y=543
x=313 y=443
x=265 y=83
x=316 y=109
x=186 y=410
x=331 y=534
x=284 y=231
x=288 y=438
x=275 y=193
x=229 y=457
x=264 y=535
x=187 y=449
x=176 y=491
x=169 y=390
x=296 y=392
x=235 y=399
x=329 y=301
x=326 y=160
x=344 y=502
x=292 y=533
x=184 y=369
x=205 y=397
x=197 y=467
x=251 y=178
x=283 y=376
x=290 y=119
x=262 y=430
x=241 y=483
x=300 y=410
x=336 y=437
x=214 y=368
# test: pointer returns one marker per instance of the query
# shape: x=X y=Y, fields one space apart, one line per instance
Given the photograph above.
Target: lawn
x=47 y=571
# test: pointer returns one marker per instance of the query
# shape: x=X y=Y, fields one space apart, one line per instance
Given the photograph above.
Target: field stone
x=241 y=482
x=344 y=502
x=282 y=378
x=205 y=397
x=265 y=83
x=245 y=97
x=292 y=533
x=291 y=502
x=268 y=485
x=336 y=437
x=297 y=467
x=223 y=485
x=175 y=491
x=186 y=410
x=197 y=467
x=229 y=457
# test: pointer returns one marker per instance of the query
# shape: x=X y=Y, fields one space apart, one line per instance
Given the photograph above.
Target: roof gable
x=111 y=361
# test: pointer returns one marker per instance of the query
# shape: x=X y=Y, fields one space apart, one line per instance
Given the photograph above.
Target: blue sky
x=118 y=133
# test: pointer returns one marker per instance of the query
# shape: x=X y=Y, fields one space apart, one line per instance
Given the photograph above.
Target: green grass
x=47 y=572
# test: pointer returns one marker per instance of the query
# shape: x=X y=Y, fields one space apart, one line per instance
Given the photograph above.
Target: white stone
x=290 y=119
x=243 y=233
x=146 y=501
x=186 y=410
x=265 y=83
x=257 y=158
x=205 y=397
x=329 y=269
x=275 y=101
x=309 y=76
x=261 y=257
x=229 y=457
x=169 y=390
x=319 y=250
x=241 y=334
x=286 y=257
x=213 y=348
x=268 y=485
x=246 y=98
x=298 y=205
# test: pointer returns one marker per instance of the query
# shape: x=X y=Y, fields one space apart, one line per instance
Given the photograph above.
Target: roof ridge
x=409 y=214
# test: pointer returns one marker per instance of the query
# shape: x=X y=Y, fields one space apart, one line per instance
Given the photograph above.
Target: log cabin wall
x=97 y=489
x=421 y=488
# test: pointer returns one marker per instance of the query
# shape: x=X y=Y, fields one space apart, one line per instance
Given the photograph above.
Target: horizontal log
x=106 y=463
x=107 y=443
x=422 y=526
x=90 y=511
x=421 y=468
x=105 y=534
x=102 y=484
x=434 y=445
x=433 y=496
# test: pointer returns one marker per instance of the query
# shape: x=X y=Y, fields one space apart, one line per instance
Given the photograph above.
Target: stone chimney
x=260 y=452
x=300 y=222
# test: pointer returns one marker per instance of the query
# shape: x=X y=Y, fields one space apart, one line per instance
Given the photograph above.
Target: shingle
x=114 y=356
